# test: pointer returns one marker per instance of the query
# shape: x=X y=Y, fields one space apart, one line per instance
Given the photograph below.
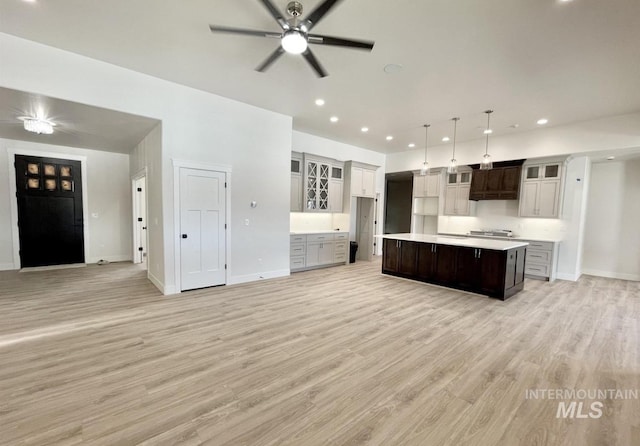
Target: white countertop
x=497 y=245
x=326 y=231
x=493 y=237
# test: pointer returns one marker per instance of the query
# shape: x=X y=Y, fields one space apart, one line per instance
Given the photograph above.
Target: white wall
x=612 y=238
x=108 y=201
x=196 y=126
x=618 y=132
x=148 y=155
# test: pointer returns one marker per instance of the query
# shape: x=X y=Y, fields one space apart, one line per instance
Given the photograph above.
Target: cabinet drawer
x=535 y=256
x=537 y=270
x=297 y=238
x=297 y=263
x=297 y=249
x=340 y=257
x=545 y=246
x=341 y=236
x=319 y=237
x=341 y=247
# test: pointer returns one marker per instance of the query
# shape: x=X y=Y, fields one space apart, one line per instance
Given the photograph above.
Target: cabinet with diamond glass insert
x=322 y=185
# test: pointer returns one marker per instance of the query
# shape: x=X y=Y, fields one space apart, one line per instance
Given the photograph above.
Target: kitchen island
x=484 y=266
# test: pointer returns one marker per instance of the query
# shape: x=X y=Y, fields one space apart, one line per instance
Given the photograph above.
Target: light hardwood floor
x=340 y=356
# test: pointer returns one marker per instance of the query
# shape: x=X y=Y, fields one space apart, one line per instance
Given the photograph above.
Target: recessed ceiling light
x=389 y=138
x=610 y=158
x=488 y=132
x=334 y=119
x=392 y=68
x=29 y=1
x=542 y=121
x=364 y=129
x=319 y=102
x=411 y=145
x=445 y=139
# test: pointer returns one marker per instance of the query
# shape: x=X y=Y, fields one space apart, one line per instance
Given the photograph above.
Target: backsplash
x=317 y=221
x=503 y=214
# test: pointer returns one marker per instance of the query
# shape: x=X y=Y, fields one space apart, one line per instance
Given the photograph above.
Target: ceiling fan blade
x=246 y=32
x=317 y=14
x=308 y=55
x=271 y=59
x=337 y=41
x=275 y=14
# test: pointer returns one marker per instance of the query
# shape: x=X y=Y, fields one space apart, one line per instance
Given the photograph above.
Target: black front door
x=49 y=193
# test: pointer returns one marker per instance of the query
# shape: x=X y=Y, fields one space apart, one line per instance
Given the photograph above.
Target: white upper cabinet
x=456 y=197
x=426 y=185
x=323 y=184
x=296 y=182
x=541 y=190
x=363 y=182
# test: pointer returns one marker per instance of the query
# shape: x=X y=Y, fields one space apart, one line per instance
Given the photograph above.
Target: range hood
x=500 y=183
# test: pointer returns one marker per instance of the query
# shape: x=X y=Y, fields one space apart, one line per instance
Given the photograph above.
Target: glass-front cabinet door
x=317 y=186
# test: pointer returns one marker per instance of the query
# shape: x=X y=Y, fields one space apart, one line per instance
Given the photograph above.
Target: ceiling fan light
x=293 y=42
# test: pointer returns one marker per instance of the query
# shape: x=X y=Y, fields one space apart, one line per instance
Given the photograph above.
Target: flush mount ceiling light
x=542 y=121
x=486 y=163
x=424 y=170
x=453 y=164
x=37 y=125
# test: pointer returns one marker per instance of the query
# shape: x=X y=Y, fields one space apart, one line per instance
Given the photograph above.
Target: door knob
x=184 y=235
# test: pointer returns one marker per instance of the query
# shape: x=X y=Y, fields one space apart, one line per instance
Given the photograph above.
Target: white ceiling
x=77 y=125
x=526 y=59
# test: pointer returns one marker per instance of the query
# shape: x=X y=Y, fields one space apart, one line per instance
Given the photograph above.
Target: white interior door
x=202 y=228
x=140 y=221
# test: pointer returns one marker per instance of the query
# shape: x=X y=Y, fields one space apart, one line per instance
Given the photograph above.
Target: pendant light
x=486 y=163
x=453 y=164
x=425 y=165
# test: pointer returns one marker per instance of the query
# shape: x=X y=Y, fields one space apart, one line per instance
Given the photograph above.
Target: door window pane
x=49 y=184
x=65 y=171
x=49 y=170
x=33 y=168
x=551 y=171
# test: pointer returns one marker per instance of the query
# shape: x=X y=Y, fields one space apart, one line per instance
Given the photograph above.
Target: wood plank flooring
x=340 y=356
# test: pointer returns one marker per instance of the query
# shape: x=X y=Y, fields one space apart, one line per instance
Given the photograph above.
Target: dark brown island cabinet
x=493 y=268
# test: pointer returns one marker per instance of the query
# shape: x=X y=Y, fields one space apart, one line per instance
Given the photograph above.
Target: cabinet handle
x=479 y=252
x=435 y=248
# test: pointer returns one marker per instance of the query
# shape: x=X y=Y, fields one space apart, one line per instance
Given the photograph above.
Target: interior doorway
x=140 y=225
x=397 y=212
x=364 y=218
x=50 y=211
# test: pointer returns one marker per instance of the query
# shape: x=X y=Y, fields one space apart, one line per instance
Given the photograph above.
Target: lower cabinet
x=491 y=272
x=317 y=250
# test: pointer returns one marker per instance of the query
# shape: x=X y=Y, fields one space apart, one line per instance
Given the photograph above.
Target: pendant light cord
x=455 y=127
x=426 y=140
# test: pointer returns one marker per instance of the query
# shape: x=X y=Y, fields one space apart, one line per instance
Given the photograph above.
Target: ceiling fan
x=295 y=34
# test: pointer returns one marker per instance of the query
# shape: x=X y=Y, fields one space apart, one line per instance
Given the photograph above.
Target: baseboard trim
x=8 y=267
x=157 y=283
x=612 y=275
x=115 y=258
x=570 y=277
x=235 y=280
x=52 y=267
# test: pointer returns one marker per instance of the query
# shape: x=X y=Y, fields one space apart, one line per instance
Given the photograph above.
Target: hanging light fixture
x=453 y=164
x=486 y=163
x=425 y=165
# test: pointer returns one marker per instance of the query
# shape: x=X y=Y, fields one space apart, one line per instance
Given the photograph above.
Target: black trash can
x=353 y=248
